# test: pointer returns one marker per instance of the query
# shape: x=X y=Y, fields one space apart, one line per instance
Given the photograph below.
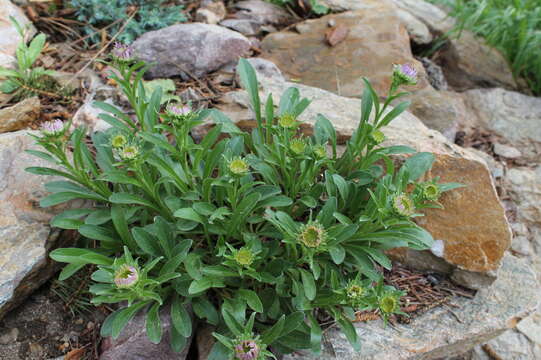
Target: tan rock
x=473 y=226
x=20 y=115
x=9 y=37
x=25 y=235
x=377 y=39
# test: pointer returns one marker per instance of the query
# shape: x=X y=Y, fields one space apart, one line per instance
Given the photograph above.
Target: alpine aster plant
x=256 y=232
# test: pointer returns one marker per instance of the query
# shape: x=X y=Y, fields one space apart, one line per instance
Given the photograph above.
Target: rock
x=435 y=18
x=9 y=37
x=263 y=13
x=473 y=226
x=244 y=26
x=205 y=341
x=439 y=110
x=25 y=235
x=531 y=327
x=442 y=333
x=189 y=50
x=469 y=63
x=510 y=345
x=376 y=40
x=211 y=12
x=417 y=30
x=133 y=343
x=20 y=115
x=266 y=68
x=506 y=151
x=524 y=187
x=513 y=116
x=435 y=74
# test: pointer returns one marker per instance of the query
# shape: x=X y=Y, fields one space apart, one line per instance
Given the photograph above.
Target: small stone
x=417 y=30
x=211 y=12
x=531 y=327
x=190 y=50
x=435 y=74
x=20 y=115
x=265 y=68
x=507 y=151
x=435 y=18
x=9 y=336
x=263 y=13
x=79 y=321
x=244 y=26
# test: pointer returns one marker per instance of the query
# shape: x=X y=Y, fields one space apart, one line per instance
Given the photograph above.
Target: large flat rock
x=25 y=234
x=445 y=331
x=473 y=226
x=9 y=37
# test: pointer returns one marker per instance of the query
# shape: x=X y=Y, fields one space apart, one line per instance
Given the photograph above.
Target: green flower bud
x=119 y=141
x=431 y=191
x=403 y=205
x=312 y=235
x=244 y=257
x=297 y=146
x=388 y=304
x=129 y=152
x=378 y=136
x=239 y=166
x=287 y=121
x=126 y=276
x=355 y=292
x=320 y=152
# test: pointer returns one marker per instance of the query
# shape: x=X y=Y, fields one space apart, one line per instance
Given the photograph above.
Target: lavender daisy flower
x=52 y=128
x=404 y=74
x=126 y=276
x=122 y=52
x=403 y=205
x=247 y=350
x=178 y=110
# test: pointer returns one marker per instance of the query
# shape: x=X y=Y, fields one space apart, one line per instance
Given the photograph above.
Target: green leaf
x=99 y=233
x=351 y=334
x=273 y=333
x=205 y=310
x=248 y=79
x=338 y=254
x=188 y=214
x=35 y=48
x=118 y=214
x=315 y=335
x=182 y=321
x=9 y=86
x=252 y=299
x=130 y=199
x=80 y=256
x=200 y=285
x=232 y=323
x=418 y=164
x=153 y=324
x=394 y=113
x=69 y=270
x=124 y=316
x=147 y=242
x=178 y=342
x=309 y=284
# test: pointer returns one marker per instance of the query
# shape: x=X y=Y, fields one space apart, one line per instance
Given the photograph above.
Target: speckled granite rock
x=25 y=234
x=444 y=331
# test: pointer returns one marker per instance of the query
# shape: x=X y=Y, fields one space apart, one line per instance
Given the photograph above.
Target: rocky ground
x=467 y=108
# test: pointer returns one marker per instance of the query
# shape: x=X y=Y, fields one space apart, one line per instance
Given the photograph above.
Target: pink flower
x=247 y=350
x=126 y=276
x=122 y=51
x=54 y=127
x=178 y=110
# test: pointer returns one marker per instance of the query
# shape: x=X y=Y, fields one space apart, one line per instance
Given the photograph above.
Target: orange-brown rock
x=376 y=40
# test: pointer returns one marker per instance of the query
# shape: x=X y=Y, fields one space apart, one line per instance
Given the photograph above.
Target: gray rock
x=531 y=327
x=441 y=332
x=133 y=343
x=188 y=50
x=511 y=345
x=507 y=151
x=469 y=63
x=524 y=187
x=9 y=37
x=435 y=74
x=244 y=26
x=264 y=68
x=20 y=115
x=513 y=116
x=263 y=12
x=25 y=235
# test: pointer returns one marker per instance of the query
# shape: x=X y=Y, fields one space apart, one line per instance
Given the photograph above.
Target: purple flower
x=247 y=350
x=126 y=276
x=404 y=74
x=122 y=51
x=178 y=110
x=54 y=127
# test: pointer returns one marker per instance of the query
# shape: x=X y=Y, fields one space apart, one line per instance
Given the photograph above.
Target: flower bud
x=238 y=166
x=403 y=205
x=244 y=257
x=126 y=276
x=129 y=152
x=431 y=191
x=118 y=141
x=404 y=74
x=122 y=52
x=287 y=121
x=312 y=235
x=378 y=136
x=178 y=110
x=246 y=350
x=320 y=152
x=388 y=304
x=297 y=146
